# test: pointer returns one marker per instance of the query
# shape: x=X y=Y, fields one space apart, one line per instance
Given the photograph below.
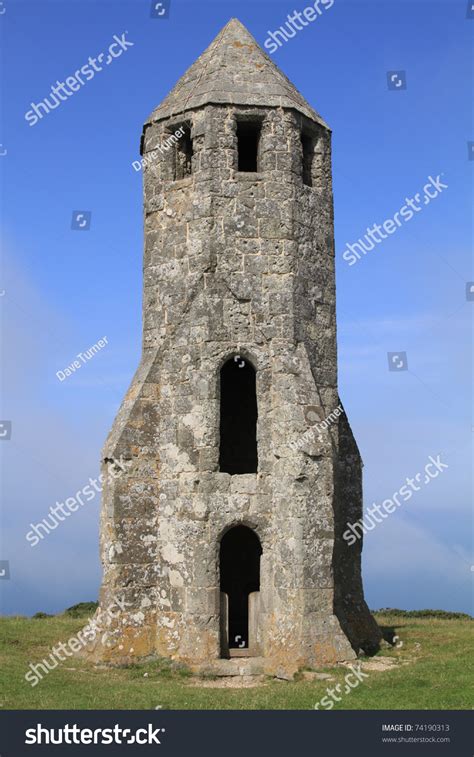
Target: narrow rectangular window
x=183 y=151
x=248 y=138
x=307 y=144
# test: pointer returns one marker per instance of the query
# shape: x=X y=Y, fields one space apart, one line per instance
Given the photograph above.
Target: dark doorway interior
x=240 y=575
x=238 y=421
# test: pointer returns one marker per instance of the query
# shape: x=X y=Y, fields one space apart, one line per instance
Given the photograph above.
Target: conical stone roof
x=233 y=70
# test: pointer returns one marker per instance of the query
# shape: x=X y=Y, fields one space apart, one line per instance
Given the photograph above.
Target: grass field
x=432 y=669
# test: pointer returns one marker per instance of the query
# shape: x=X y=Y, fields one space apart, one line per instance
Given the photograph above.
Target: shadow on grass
x=390 y=633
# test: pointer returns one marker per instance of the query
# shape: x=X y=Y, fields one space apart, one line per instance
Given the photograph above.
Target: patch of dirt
x=376 y=664
x=310 y=675
x=379 y=663
x=228 y=682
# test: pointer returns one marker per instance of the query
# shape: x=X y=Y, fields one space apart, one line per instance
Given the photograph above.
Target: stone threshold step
x=237 y=666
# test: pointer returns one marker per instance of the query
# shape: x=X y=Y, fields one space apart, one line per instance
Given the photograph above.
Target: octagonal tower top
x=233 y=70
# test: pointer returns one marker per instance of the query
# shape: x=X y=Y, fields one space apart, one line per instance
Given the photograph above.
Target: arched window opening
x=238 y=418
x=240 y=552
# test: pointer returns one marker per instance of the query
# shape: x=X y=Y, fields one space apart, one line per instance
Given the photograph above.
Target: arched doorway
x=239 y=560
x=238 y=417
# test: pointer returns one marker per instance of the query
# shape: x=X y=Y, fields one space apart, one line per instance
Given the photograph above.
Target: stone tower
x=222 y=530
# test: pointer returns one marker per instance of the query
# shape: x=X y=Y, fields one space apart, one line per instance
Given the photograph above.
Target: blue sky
x=66 y=289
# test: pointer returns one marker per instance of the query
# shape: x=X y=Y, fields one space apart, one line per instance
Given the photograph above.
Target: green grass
x=437 y=674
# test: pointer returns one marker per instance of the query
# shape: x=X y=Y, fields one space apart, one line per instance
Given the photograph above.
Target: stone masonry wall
x=234 y=264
